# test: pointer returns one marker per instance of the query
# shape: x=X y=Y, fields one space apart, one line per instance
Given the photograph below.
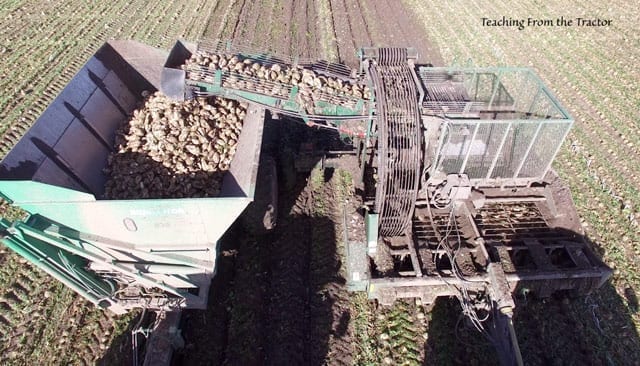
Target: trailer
x=118 y=254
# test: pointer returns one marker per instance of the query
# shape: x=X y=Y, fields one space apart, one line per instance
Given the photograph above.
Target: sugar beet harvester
x=454 y=169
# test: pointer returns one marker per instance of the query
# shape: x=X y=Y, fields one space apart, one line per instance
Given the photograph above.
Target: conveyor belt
x=399 y=144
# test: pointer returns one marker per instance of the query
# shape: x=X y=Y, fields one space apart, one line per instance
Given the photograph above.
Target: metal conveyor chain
x=399 y=140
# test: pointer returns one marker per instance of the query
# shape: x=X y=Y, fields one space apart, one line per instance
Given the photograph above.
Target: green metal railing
x=61 y=264
x=67 y=258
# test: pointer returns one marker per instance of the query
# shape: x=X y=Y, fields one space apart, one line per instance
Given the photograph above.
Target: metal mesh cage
x=502 y=125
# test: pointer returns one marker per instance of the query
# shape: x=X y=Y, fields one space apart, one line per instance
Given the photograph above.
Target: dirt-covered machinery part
x=261 y=215
x=398 y=129
x=533 y=233
x=484 y=129
x=510 y=243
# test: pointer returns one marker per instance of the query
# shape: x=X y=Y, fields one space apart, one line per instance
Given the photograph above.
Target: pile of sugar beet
x=174 y=149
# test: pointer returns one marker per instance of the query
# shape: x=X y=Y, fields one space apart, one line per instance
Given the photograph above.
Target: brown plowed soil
x=288 y=302
x=389 y=24
x=292 y=27
x=279 y=297
x=342 y=29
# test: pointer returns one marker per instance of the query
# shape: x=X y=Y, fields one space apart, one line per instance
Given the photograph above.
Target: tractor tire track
x=288 y=306
x=357 y=24
x=264 y=25
x=312 y=31
x=344 y=40
x=244 y=33
x=288 y=29
x=238 y=34
x=299 y=30
x=280 y=28
x=216 y=29
x=329 y=37
x=213 y=17
x=331 y=336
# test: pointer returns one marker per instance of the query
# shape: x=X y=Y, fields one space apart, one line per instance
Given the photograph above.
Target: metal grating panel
x=398 y=120
x=268 y=58
x=502 y=126
x=490 y=136
x=500 y=149
x=515 y=149
x=506 y=222
x=544 y=149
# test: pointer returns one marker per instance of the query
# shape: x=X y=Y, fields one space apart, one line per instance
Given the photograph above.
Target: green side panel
x=24 y=191
x=67 y=262
x=161 y=224
x=330 y=109
x=294 y=92
x=323 y=108
x=371 y=230
x=265 y=100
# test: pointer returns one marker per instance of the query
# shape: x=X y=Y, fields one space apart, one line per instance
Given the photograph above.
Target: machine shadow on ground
x=267 y=303
x=551 y=331
x=596 y=329
x=120 y=351
x=264 y=306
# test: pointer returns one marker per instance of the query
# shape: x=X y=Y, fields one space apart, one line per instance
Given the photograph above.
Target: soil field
x=280 y=298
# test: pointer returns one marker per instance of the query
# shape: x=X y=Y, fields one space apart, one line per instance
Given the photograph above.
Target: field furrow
x=329 y=37
x=218 y=20
x=300 y=31
x=231 y=19
x=263 y=24
x=312 y=30
x=361 y=34
x=242 y=28
x=342 y=27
